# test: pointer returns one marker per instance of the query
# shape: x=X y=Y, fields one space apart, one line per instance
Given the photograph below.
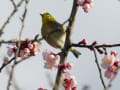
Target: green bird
x=54 y=33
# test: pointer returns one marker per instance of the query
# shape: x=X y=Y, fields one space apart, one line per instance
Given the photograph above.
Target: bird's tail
x=75 y=52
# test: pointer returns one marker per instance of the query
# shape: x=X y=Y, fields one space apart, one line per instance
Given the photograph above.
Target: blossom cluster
x=69 y=82
x=85 y=4
x=52 y=61
x=110 y=64
x=65 y=67
x=27 y=48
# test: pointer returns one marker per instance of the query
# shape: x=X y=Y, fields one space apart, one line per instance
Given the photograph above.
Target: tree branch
x=21 y=30
x=10 y=17
x=5 y=64
x=14 y=5
x=96 y=46
x=18 y=47
x=99 y=69
x=10 y=77
x=66 y=46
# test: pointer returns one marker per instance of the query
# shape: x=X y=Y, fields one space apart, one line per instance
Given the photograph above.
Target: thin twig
x=17 y=62
x=96 y=46
x=10 y=77
x=14 y=5
x=5 y=64
x=11 y=73
x=11 y=41
x=19 y=42
x=10 y=17
x=15 y=85
x=65 y=21
x=99 y=69
x=73 y=45
x=33 y=40
x=111 y=80
x=22 y=28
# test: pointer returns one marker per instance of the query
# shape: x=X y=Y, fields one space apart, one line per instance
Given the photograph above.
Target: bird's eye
x=48 y=16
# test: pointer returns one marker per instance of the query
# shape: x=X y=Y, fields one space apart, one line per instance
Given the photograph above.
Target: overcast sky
x=102 y=23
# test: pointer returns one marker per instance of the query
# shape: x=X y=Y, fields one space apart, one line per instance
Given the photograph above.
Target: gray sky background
x=102 y=23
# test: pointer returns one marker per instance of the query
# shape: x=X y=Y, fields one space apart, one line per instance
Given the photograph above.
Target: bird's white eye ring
x=48 y=16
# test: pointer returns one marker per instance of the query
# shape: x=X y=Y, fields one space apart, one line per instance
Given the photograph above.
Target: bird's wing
x=58 y=27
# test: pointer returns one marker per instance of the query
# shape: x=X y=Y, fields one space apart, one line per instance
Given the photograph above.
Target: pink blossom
x=41 y=89
x=30 y=46
x=10 y=51
x=116 y=63
x=46 y=54
x=114 y=53
x=36 y=48
x=51 y=59
x=69 y=82
x=22 y=53
x=6 y=59
x=110 y=63
x=67 y=88
x=26 y=52
x=95 y=42
x=86 y=7
x=111 y=72
x=27 y=48
x=66 y=67
x=112 y=68
x=84 y=41
x=85 y=4
x=74 y=88
x=80 y=2
x=108 y=74
x=107 y=61
x=89 y=1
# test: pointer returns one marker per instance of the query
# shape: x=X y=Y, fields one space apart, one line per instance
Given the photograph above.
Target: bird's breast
x=55 y=39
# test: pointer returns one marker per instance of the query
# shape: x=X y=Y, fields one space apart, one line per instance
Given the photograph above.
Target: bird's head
x=47 y=17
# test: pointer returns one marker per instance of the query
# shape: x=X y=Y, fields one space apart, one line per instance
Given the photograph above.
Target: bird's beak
x=41 y=14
